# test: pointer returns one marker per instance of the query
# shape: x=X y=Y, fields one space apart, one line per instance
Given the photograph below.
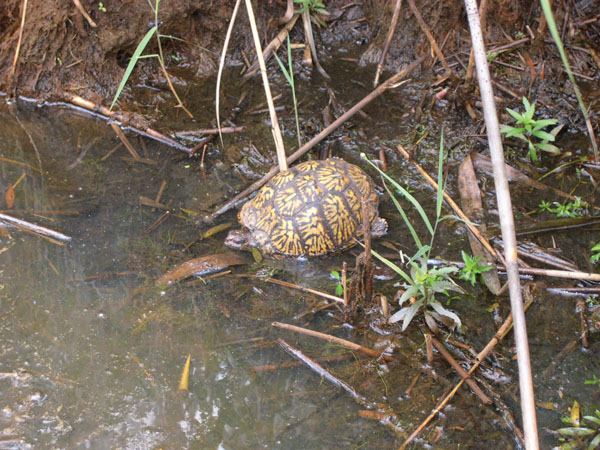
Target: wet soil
x=92 y=349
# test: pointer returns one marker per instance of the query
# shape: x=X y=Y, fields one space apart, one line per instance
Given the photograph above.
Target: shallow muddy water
x=91 y=352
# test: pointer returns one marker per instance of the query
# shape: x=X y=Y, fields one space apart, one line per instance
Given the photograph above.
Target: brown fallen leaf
x=484 y=163
x=10 y=197
x=185 y=375
x=470 y=199
x=201 y=266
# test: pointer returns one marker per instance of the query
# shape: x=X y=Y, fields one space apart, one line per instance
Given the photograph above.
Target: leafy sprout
x=339 y=288
x=531 y=131
x=595 y=253
x=585 y=432
x=568 y=209
x=422 y=283
x=472 y=268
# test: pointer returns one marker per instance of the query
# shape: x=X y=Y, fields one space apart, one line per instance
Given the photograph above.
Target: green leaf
x=412 y=230
x=593 y=419
x=545 y=136
x=539 y=124
x=134 y=59
x=406 y=195
x=339 y=290
x=408 y=293
x=283 y=69
x=529 y=112
x=440 y=180
x=444 y=312
x=595 y=443
x=392 y=266
x=576 y=431
x=550 y=148
x=563 y=55
x=518 y=117
x=516 y=132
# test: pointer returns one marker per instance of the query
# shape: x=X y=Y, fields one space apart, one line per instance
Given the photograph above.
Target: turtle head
x=238 y=239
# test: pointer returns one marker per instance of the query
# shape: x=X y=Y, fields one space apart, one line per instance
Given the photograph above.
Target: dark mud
x=90 y=359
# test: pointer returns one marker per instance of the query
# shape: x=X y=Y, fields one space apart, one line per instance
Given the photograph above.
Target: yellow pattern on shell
x=341 y=222
x=312 y=209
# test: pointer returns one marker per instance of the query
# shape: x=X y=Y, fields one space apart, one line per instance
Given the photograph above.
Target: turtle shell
x=311 y=209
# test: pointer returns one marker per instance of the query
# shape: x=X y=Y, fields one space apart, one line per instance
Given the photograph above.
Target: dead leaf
x=184 y=382
x=10 y=197
x=201 y=266
x=470 y=199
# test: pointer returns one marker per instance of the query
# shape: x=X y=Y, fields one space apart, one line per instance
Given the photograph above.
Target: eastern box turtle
x=311 y=209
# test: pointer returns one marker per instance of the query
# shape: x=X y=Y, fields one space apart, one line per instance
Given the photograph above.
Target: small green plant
x=530 y=130
x=312 y=6
x=575 y=208
x=491 y=56
x=472 y=268
x=595 y=253
x=339 y=288
x=423 y=283
x=584 y=432
x=289 y=76
x=101 y=7
x=595 y=381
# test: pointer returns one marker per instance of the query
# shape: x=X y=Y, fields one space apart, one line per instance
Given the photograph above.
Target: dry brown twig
x=478 y=360
x=121 y=117
x=18 y=48
x=295 y=286
x=430 y=38
x=275 y=129
x=454 y=207
x=388 y=41
x=335 y=340
x=84 y=13
x=386 y=416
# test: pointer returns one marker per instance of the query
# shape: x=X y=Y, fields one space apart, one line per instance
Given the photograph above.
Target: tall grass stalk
x=547 y=8
x=423 y=283
x=289 y=76
x=222 y=65
x=263 y=71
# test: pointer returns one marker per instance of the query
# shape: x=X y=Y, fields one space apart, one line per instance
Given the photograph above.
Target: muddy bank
x=63 y=50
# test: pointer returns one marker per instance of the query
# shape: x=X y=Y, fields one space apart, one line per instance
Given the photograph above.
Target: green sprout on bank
x=531 y=131
x=101 y=7
x=423 y=284
x=575 y=208
x=595 y=381
x=339 y=288
x=472 y=268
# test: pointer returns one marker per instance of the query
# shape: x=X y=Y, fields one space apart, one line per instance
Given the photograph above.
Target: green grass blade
x=134 y=59
x=440 y=180
x=400 y=209
x=283 y=69
x=392 y=266
x=405 y=194
x=563 y=55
